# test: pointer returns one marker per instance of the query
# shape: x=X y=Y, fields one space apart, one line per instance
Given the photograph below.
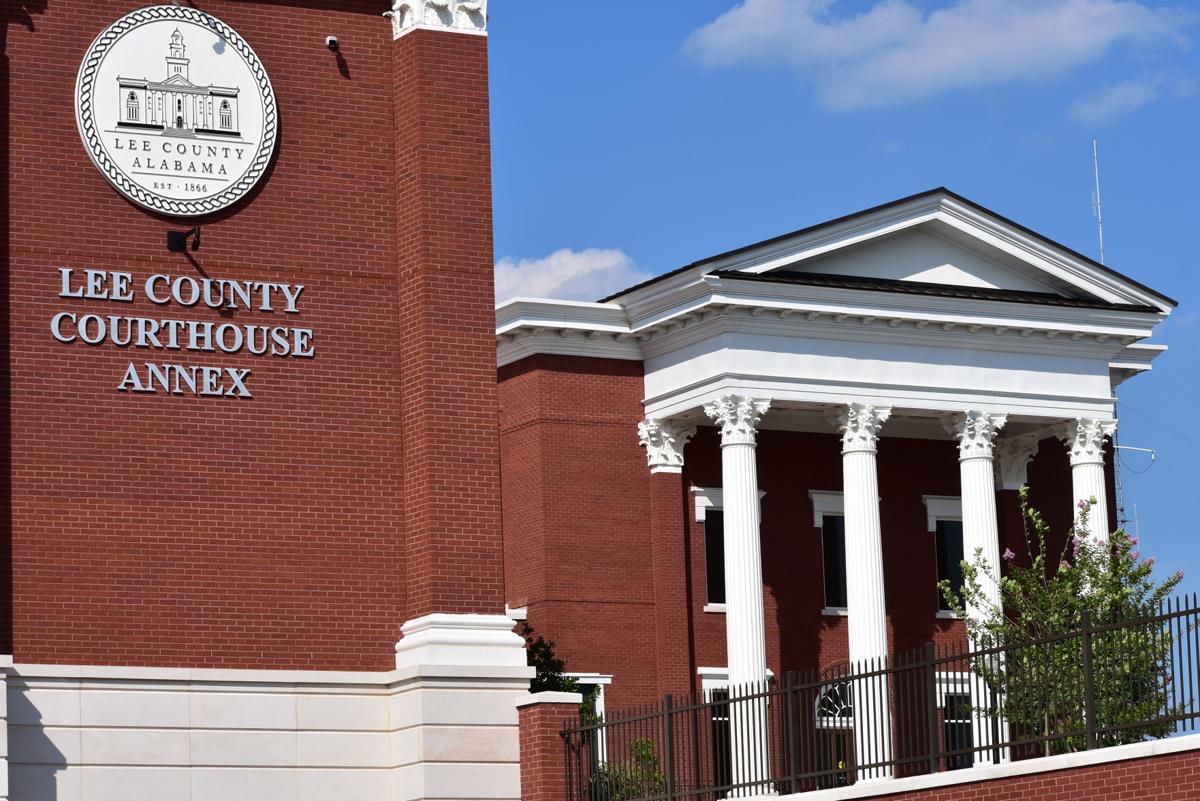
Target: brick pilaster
x=453 y=543
x=672 y=591
x=543 y=761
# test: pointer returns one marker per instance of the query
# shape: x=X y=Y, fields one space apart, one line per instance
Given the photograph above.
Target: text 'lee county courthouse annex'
x=282 y=479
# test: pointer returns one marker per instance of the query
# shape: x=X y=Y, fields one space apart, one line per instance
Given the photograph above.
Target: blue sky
x=633 y=136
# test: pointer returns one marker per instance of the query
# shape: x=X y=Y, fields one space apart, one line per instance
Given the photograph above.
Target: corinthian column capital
x=975 y=432
x=1085 y=438
x=1012 y=461
x=738 y=417
x=859 y=425
x=664 y=441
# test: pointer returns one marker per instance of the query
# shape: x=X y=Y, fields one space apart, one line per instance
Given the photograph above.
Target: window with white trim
x=944 y=521
x=710 y=513
x=592 y=685
x=830 y=518
x=954 y=699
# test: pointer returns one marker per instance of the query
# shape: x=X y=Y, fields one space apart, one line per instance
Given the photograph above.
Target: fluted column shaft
x=745 y=628
x=745 y=631
x=864 y=554
x=1085 y=439
x=866 y=608
x=976 y=433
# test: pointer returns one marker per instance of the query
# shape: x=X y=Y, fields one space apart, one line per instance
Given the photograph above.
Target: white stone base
x=157 y=734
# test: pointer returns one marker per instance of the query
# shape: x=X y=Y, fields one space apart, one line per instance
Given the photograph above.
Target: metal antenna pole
x=1097 y=208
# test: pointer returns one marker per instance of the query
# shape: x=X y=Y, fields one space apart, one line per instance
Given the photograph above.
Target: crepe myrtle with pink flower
x=1046 y=593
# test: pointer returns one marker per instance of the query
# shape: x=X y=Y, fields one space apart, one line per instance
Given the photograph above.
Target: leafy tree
x=1041 y=686
x=551 y=672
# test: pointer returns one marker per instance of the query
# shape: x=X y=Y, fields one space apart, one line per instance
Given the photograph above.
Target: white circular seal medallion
x=176 y=110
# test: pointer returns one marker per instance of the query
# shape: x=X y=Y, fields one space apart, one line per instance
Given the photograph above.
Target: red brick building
x=978 y=362
x=280 y=476
x=252 y=545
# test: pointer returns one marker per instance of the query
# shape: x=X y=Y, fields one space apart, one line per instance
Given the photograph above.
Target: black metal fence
x=937 y=709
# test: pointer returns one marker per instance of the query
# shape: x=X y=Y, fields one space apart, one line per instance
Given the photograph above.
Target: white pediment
x=920 y=255
x=937 y=237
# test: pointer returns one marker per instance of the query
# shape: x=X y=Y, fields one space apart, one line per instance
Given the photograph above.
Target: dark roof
x=922 y=288
x=941 y=190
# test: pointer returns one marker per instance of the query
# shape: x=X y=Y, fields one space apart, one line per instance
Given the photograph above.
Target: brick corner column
x=664 y=441
x=542 y=717
x=457 y=648
x=443 y=193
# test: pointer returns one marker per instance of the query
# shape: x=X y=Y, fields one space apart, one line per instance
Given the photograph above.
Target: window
x=714 y=684
x=833 y=552
x=956 y=731
x=131 y=108
x=709 y=506
x=226 y=115
x=714 y=555
x=722 y=756
x=944 y=520
x=829 y=516
x=591 y=686
x=835 y=735
x=949 y=544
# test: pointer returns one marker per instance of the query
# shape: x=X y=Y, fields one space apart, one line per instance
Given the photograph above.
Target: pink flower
x=1134 y=555
x=1150 y=560
x=1083 y=504
x=1008 y=555
x=1133 y=540
x=1178 y=575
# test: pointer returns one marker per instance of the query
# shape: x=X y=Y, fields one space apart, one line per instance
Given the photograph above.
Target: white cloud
x=1125 y=97
x=893 y=53
x=567 y=275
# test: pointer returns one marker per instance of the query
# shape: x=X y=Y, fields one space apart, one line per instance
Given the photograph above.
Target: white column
x=745 y=635
x=859 y=424
x=1085 y=439
x=664 y=441
x=976 y=432
x=744 y=627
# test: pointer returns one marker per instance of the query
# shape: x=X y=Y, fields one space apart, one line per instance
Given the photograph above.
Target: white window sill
x=947 y=614
x=836 y=611
x=715 y=609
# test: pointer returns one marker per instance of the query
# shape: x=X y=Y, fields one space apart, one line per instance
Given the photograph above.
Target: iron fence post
x=931 y=705
x=790 y=703
x=669 y=744
x=1089 y=690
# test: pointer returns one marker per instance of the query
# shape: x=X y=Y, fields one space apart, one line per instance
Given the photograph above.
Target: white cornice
x=719 y=305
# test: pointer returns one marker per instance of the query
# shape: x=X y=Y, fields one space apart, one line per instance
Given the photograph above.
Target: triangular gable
x=179 y=80
x=961 y=243
x=942 y=238
x=920 y=255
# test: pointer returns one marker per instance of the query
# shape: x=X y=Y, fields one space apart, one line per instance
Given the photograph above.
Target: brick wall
x=577 y=514
x=584 y=553
x=157 y=530
x=1171 y=777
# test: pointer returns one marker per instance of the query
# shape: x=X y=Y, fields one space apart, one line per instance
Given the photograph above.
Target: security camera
x=332 y=43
